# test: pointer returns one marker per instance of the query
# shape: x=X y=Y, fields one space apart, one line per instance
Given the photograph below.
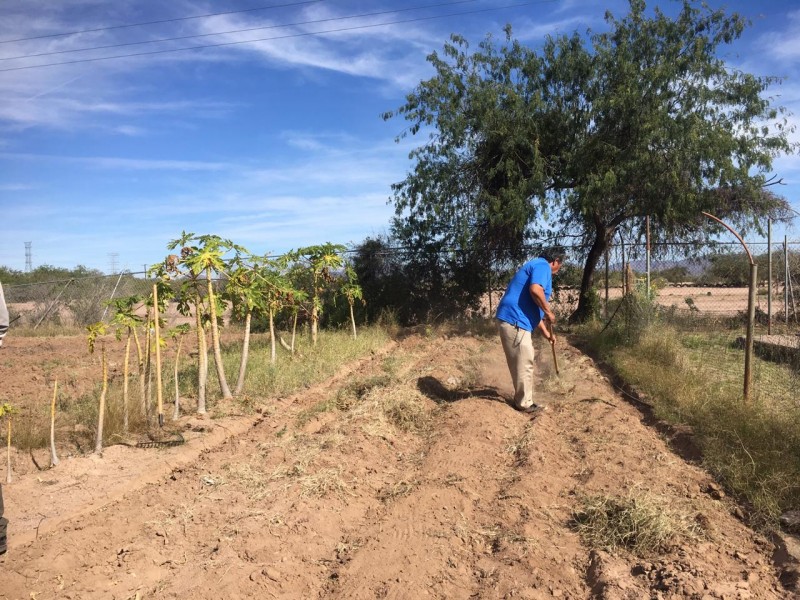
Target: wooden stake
x=8 y=452
x=53 y=455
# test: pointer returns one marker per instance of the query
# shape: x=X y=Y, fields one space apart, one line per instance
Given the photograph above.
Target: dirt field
x=456 y=496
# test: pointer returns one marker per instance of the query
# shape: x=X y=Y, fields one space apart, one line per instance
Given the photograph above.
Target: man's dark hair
x=554 y=253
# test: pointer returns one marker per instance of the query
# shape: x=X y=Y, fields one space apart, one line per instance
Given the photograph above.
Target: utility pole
x=28 y=261
x=112 y=258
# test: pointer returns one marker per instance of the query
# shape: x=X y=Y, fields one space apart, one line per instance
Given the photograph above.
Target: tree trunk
x=202 y=361
x=101 y=412
x=314 y=319
x=353 y=321
x=212 y=305
x=176 y=411
x=294 y=331
x=125 y=375
x=583 y=312
x=148 y=368
x=140 y=356
x=272 y=355
x=157 y=334
x=245 y=355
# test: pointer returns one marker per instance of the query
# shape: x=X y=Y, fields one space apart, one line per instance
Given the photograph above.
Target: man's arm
x=547 y=332
x=537 y=293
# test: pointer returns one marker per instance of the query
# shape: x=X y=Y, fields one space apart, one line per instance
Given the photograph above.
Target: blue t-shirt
x=517 y=306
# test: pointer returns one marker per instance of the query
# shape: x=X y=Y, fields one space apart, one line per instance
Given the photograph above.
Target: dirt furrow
x=408 y=477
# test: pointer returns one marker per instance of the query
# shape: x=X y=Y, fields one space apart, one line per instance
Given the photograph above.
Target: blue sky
x=276 y=143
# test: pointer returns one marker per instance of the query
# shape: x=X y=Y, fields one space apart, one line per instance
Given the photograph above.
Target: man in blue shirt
x=525 y=306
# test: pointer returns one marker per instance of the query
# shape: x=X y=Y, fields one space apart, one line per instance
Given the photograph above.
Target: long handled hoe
x=553 y=348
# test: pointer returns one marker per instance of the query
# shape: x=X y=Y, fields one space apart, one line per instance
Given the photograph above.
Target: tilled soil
x=405 y=476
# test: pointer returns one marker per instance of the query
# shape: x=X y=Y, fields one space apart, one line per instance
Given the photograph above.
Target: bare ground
x=419 y=481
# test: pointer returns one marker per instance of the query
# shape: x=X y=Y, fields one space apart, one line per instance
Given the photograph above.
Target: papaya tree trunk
x=125 y=375
x=353 y=321
x=177 y=409
x=245 y=354
x=140 y=356
x=157 y=335
x=202 y=361
x=272 y=355
x=314 y=319
x=101 y=412
x=294 y=331
x=212 y=304
x=148 y=368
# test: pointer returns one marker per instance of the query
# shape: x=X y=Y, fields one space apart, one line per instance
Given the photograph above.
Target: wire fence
x=70 y=303
x=703 y=298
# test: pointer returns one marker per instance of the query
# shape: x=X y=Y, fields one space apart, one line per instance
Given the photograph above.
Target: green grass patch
x=76 y=418
x=697 y=378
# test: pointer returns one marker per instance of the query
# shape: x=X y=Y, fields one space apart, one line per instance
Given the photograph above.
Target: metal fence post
x=751 y=308
x=751 y=319
x=647 y=250
x=786 y=280
x=769 y=276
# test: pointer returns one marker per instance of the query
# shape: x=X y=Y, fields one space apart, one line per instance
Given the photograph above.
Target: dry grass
x=695 y=378
x=401 y=408
x=640 y=523
x=324 y=483
x=519 y=447
x=396 y=490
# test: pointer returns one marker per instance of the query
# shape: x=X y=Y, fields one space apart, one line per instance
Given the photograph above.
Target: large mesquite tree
x=592 y=134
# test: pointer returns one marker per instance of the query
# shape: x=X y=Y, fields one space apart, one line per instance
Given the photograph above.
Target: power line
x=281 y=37
x=230 y=12
x=201 y=35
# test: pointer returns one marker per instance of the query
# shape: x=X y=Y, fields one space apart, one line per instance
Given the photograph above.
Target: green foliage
x=45 y=273
x=6 y=410
x=594 y=135
x=95 y=331
x=676 y=274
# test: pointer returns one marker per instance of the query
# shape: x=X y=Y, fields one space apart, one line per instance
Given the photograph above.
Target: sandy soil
x=467 y=499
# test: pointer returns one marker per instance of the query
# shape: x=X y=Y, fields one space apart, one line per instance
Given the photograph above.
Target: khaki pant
x=518 y=347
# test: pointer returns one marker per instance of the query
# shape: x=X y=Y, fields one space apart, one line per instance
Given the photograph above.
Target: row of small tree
x=295 y=285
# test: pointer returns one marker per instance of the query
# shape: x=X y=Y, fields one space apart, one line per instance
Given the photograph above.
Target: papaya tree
x=177 y=334
x=190 y=303
x=352 y=291
x=314 y=268
x=161 y=293
x=207 y=257
x=125 y=320
x=296 y=303
x=244 y=293
x=278 y=293
x=96 y=332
